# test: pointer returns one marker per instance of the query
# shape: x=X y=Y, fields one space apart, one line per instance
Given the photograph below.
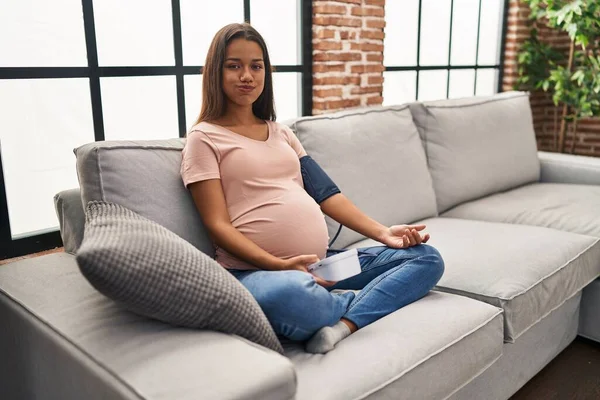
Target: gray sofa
x=519 y=231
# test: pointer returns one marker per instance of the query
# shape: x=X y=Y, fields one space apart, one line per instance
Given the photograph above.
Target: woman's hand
x=301 y=263
x=403 y=236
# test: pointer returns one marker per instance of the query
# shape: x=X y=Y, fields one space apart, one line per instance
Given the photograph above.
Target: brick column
x=544 y=112
x=347 y=54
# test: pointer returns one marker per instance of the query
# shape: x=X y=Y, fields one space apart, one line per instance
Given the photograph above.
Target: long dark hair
x=213 y=97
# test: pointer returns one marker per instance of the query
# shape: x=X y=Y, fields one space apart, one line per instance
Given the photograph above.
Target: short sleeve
x=293 y=141
x=199 y=159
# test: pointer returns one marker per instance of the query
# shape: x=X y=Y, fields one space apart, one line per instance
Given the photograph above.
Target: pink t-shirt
x=263 y=189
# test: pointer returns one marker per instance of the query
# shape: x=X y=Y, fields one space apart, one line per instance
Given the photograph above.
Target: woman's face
x=243 y=72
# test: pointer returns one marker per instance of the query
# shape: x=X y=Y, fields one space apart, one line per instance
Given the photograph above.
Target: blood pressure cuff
x=316 y=181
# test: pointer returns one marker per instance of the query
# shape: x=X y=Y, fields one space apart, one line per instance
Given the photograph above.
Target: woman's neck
x=236 y=116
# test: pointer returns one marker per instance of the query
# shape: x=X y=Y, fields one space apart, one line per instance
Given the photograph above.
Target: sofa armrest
x=567 y=168
x=71 y=218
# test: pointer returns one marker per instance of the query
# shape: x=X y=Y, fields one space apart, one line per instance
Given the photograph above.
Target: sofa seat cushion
x=477 y=146
x=562 y=206
x=145 y=358
x=367 y=152
x=451 y=338
x=526 y=270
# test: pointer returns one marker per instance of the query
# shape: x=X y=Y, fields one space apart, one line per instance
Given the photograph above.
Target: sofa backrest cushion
x=477 y=146
x=143 y=176
x=376 y=158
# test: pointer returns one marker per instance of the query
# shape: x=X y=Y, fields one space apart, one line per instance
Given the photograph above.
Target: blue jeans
x=297 y=307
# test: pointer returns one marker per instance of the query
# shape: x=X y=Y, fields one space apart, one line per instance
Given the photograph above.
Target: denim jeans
x=297 y=307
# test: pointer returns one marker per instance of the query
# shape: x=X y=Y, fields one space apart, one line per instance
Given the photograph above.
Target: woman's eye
x=257 y=66
x=233 y=66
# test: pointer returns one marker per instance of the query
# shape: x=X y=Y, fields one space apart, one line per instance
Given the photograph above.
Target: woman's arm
x=326 y=193
x=210 y=202
x=341 y=209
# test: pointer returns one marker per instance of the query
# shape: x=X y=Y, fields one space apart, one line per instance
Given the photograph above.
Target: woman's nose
x=246 y=75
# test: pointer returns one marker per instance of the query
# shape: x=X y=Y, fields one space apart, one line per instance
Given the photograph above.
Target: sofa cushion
x=477 y=146
x=144 y=177
x=451 y=338
x=526 y=270
x=153 y=272
x=376 y=158
x=571 y=208
x=63 y=330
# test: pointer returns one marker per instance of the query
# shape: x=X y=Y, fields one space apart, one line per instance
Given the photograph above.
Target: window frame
x=10 y=247
x=418 y=67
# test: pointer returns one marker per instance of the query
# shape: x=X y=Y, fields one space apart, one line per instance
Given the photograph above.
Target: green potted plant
x=574 y=81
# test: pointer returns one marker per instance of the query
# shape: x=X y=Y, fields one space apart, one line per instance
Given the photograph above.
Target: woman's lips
x=245 y=89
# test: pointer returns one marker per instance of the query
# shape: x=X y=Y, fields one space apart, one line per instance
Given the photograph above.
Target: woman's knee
x=426 y=249
x=285 y=288
x=433 y=264
x=297 y=306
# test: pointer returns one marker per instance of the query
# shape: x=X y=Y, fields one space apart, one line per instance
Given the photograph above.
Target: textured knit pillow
x=151 y=271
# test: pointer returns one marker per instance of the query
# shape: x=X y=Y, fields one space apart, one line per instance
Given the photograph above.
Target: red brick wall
x=588 y=139
x=348 y=65
x=347 y=54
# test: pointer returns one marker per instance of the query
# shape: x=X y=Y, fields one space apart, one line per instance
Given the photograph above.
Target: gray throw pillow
x=151 y=271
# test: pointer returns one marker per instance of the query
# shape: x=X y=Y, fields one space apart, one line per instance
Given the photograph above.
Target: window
x=76 y=71
x=437 y=49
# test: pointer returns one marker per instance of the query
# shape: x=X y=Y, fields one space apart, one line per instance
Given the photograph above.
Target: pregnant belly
x=286 y=227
